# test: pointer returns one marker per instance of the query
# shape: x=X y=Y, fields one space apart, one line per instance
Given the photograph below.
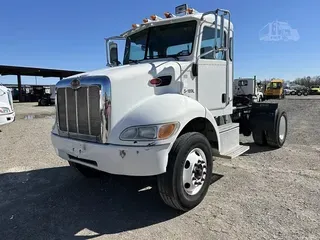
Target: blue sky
x=70 y=34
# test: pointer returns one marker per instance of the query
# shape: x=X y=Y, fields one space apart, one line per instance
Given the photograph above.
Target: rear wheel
x=189 y=172
x=85 y=171
x=278 y=137
x=259 y=137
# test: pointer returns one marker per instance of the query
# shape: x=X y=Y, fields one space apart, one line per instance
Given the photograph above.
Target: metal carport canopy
x=33 y=71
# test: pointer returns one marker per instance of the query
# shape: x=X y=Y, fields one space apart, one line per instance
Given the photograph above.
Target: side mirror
x=112 y=51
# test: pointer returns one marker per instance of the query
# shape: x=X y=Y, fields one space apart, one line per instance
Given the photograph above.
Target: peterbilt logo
x=75 y=84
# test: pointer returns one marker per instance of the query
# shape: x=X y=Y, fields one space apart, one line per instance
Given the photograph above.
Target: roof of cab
x=210 y=18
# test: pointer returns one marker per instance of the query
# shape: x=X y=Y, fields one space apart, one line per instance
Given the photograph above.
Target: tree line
x=307 y=81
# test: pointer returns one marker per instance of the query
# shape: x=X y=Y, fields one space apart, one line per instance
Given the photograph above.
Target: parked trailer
x=165 y=109
x=7 y=114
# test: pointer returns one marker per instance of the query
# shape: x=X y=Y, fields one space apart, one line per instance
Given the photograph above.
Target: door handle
x=223 y=98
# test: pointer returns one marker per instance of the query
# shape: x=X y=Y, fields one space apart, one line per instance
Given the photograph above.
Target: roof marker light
x=155 y=18
x=190 y=10
x=168 y=15
x=146 y=20
x=134 y=26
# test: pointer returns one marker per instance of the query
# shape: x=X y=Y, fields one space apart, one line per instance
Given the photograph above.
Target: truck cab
x=164 y=108
x=275 y=89
x=7 y=114
x=248 y=87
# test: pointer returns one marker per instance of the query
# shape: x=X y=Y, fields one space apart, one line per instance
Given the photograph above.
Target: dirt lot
x=261 y=195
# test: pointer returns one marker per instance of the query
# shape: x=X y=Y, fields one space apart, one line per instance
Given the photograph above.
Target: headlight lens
x=151 y=132
x=129 y=133
x=4 y=110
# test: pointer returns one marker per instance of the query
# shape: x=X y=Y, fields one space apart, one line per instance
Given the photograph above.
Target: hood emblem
x=75 y=84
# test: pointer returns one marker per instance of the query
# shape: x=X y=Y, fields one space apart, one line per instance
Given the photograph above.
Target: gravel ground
x=31 y=109
x=261 y=195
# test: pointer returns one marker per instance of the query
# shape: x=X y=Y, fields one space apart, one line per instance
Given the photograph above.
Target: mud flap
x=263 y=117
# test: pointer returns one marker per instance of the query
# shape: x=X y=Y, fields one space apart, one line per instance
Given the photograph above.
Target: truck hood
x=152 y=68
x=130 y=84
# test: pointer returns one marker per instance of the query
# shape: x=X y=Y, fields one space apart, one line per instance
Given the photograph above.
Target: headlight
x=4 y=110
x=151 y=132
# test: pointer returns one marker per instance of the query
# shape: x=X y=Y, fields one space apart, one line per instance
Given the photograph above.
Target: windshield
x=171 y=40
x=274 y=85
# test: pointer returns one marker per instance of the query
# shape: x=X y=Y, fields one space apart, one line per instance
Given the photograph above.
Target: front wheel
x=189 y=172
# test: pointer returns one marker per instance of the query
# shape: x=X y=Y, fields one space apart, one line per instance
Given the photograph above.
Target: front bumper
x=7 y=118
x=114 y=159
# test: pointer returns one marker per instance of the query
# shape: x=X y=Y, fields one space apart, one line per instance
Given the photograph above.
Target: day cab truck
x=165 y=108
x=7 y=113
x=275 y=89
x=249 y=88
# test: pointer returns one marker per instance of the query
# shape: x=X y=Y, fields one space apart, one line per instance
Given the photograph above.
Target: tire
x=85 y=171
x=277 y=138
x=259 y=138
x=43 y=102
x=305 y=93
x=171 y=188
x=299 y=93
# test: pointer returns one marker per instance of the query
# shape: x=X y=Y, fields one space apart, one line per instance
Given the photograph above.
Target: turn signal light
x=166 y=131
x=155 y=82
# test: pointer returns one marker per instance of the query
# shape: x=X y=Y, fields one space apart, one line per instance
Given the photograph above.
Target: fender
x=212 y=120
x=159 y=109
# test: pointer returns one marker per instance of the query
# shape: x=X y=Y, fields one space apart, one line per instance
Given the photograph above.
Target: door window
x=209 y=41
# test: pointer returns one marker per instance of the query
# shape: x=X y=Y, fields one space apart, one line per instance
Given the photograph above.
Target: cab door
x=212 y=69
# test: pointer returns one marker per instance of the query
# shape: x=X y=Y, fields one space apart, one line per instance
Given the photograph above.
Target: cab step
x=235 y=152
x=227 y=127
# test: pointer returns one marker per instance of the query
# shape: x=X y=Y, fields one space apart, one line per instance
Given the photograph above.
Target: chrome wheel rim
x=194 y=171
x=282 y=128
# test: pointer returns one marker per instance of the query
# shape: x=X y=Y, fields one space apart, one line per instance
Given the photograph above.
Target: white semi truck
x=7 y=114
x=164 y=109
x=248 y=87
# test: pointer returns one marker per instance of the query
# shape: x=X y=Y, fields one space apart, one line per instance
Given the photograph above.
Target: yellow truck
x=315 y=89
x=274 y=89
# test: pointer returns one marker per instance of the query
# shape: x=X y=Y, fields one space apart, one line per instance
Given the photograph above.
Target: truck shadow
x=58 y=203
x=256 y=149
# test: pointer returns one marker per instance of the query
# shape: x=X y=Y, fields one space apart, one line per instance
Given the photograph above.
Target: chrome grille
x=79 y=112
